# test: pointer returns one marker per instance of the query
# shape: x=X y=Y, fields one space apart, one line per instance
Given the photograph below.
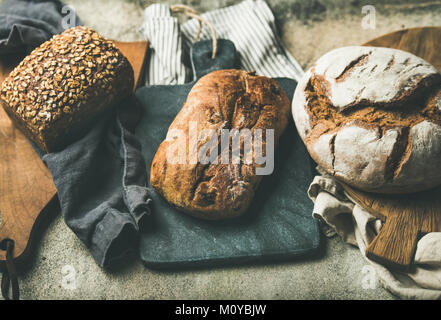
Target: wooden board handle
x=385 y=249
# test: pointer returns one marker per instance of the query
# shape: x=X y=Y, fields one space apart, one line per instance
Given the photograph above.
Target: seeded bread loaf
x=57 y=91
x=221 y=100
x=372 y=118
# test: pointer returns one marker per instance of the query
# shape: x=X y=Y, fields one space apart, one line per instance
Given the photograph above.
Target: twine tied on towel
x=190 y=12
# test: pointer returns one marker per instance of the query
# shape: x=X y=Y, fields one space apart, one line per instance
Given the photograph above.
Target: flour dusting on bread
x=372 y=118
x=371 y=75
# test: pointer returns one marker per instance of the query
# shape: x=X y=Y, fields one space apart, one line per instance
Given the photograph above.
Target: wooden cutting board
x=407 y=217
x=27 y=193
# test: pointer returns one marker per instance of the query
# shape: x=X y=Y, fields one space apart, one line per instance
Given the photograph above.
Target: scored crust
x=224 y=99
x=372 y=118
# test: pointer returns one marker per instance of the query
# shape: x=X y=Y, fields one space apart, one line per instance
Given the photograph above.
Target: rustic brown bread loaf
x=58 y=90
x=226 y=99
x=372 y=118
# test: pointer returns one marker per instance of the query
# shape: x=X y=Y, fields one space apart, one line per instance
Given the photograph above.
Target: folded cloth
x=101 y=178
x=343 y=216
x=25 y=24
x=101 y=183
x=165 y=62
x=249 y=24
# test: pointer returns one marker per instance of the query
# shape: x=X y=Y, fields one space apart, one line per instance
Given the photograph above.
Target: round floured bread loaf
x=372 y=118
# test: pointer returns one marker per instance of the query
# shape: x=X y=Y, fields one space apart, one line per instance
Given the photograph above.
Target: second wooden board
x=406 y=217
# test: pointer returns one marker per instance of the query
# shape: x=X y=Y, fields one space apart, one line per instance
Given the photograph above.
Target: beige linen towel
x=358 y=227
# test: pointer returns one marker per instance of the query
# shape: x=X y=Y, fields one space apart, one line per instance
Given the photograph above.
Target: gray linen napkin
x=100 y=178
x=25 y=24
x=101 y=181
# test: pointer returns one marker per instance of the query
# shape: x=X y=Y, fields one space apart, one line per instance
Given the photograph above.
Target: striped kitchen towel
x=249 y=24
x=165 y=43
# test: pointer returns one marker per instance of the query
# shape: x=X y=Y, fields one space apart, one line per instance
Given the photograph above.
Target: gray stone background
x=309 y=28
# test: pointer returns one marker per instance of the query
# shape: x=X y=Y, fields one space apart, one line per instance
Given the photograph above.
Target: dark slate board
x=278 y=224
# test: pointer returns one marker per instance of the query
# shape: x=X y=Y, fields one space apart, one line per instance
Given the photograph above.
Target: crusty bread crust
x=57 y=91
x=372 y=118
x=223 y=99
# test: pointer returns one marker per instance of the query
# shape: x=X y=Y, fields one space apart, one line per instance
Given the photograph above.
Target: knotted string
x=180 y=8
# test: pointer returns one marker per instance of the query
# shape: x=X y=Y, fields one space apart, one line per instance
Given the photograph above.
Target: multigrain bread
x=57 y=91
x=223 y=99
x=372 y=118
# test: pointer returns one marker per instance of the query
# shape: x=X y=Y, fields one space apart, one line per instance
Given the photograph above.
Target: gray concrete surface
x=309 y=29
